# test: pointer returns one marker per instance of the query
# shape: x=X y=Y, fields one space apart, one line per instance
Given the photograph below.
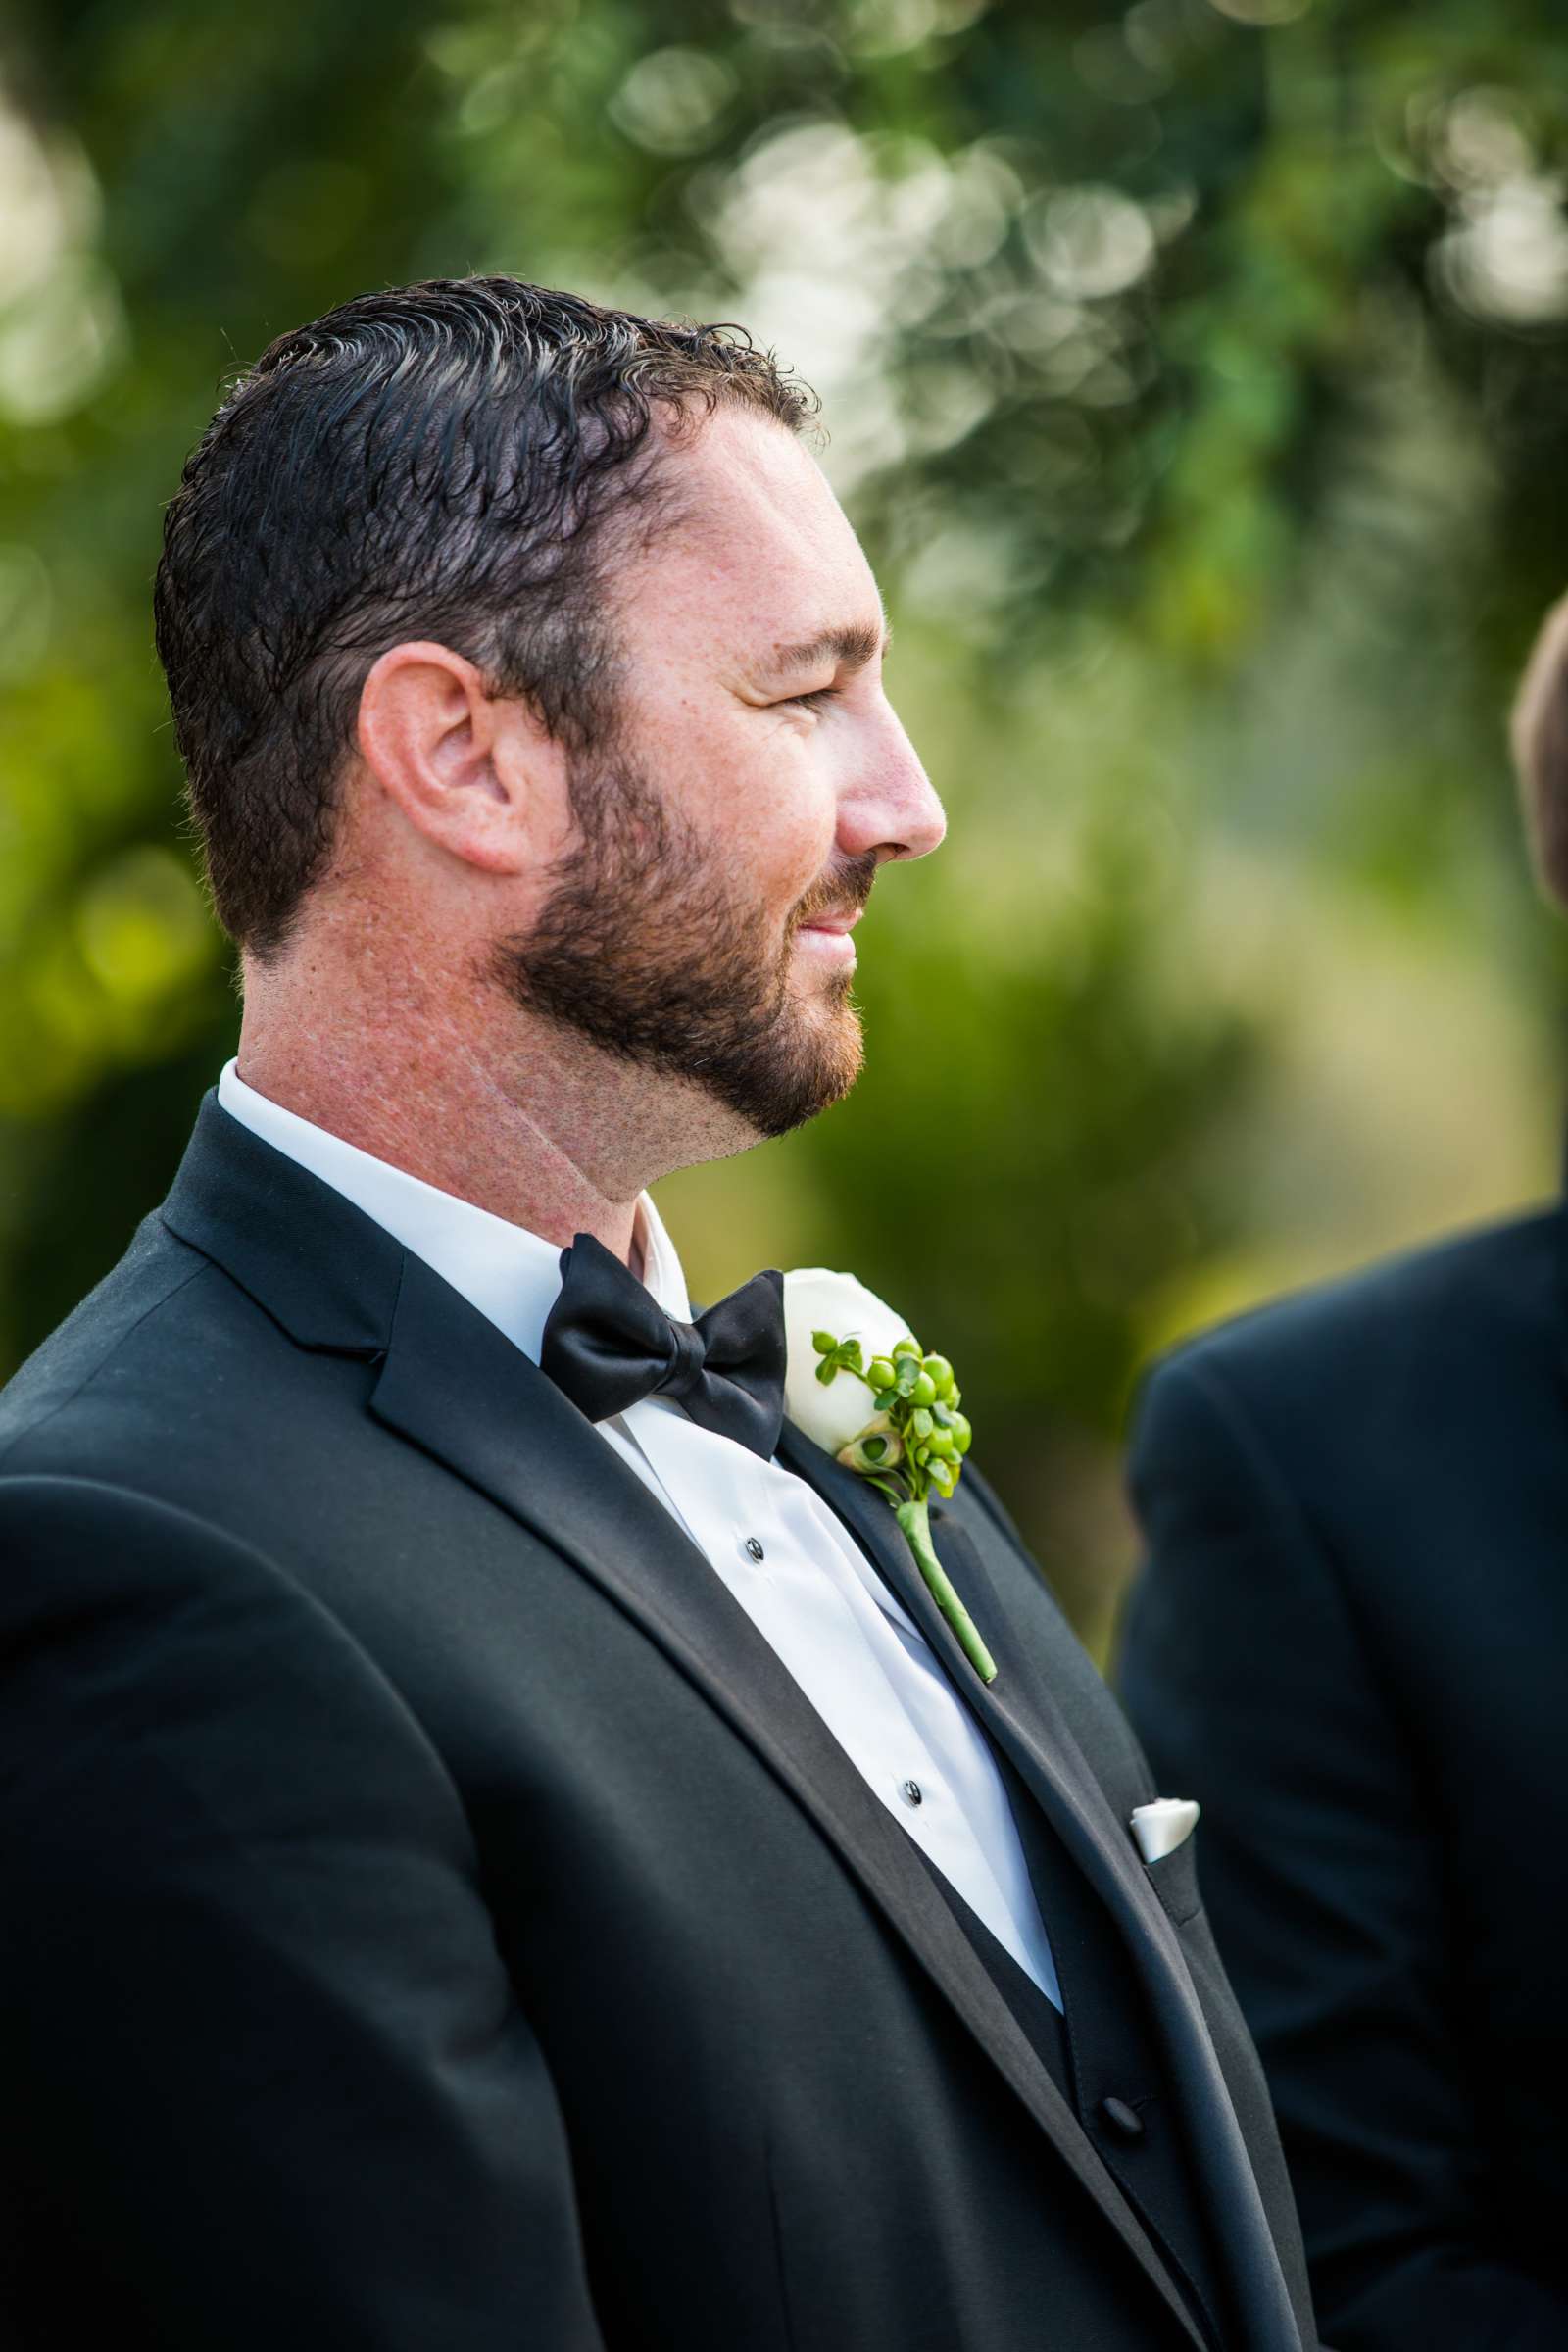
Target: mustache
x=849 y=887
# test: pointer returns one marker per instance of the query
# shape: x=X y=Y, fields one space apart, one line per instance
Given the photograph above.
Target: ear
x=468 y=770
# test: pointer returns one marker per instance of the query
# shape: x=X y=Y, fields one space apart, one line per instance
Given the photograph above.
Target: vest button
x=1122 y=2118
x=754 y=1549
x=911 y=1792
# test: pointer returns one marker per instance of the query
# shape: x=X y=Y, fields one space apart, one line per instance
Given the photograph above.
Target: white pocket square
x=1162 y=1826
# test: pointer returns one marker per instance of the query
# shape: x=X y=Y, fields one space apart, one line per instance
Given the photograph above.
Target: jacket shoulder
x=1478 y=1306
x=166 y=1362
x=155 y=1270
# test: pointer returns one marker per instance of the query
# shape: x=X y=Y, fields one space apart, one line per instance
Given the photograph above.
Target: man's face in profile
x=731 y=823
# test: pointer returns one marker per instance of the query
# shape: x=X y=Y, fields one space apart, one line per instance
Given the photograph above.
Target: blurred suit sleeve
x=1322 y=1867
x=265 y=2067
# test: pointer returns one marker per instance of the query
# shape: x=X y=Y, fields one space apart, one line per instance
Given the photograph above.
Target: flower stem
x=915 y=1522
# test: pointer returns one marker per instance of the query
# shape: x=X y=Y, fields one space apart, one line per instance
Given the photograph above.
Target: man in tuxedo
x=1348 y=1644
x=500 y=1847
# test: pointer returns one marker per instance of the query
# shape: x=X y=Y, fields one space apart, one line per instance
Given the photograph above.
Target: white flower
x=816 y=1299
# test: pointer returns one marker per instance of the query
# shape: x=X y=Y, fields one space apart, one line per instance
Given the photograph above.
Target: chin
x=841 y=1050
x=816 y=1069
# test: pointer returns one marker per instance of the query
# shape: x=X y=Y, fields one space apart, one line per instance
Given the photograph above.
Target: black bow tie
x=607 y=1344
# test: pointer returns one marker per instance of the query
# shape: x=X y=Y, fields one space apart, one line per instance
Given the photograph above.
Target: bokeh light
x=1197 y=372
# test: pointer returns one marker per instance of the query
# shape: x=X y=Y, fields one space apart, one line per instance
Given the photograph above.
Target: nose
x=890 y=807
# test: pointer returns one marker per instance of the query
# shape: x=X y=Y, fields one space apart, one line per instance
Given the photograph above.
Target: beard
x=646 y=949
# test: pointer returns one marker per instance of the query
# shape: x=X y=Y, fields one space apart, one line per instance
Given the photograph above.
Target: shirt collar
x=510 y=1275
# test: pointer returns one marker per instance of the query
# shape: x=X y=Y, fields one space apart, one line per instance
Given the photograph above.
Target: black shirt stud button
x=754 y=1549
x=1122 y=2118
x=911 y=1792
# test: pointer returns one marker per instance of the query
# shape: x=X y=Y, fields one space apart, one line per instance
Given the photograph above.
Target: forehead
x=760 y=553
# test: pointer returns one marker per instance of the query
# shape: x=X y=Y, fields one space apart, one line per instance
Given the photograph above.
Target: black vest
x=1102 y=2053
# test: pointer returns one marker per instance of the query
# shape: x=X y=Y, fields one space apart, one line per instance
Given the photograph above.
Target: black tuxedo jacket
x=433 y=1917
x=1351 y=1644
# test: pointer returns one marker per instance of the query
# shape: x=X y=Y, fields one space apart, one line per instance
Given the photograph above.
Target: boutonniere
x=860 y=1385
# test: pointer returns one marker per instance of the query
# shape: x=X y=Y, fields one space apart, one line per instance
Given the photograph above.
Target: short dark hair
x=438 y=460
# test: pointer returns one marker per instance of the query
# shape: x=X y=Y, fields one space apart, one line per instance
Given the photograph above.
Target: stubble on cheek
x=662 y=948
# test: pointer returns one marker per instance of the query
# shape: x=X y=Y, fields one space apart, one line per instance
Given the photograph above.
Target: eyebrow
x=854 y=646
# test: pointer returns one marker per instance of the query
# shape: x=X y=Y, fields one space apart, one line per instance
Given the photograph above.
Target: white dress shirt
x=795 y=1568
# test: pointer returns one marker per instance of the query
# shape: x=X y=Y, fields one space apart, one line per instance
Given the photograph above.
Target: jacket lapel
x=1018 y=1710
x=1022 y=1715
x=451 y=1383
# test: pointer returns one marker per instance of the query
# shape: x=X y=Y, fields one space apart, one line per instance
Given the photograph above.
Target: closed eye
x=816 y=699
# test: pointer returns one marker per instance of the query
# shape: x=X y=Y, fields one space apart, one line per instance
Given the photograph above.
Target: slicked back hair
x=443 y=461
x=1539 y=733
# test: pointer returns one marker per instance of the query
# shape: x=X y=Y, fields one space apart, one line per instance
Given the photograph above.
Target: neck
x=516 y=1115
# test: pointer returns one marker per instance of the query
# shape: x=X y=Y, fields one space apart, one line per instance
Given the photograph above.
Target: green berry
x=941 y=1372
x=905 y=1347
x=943 y=1444
x=879 y=1372
x=960 y=1433
x=924 y=1391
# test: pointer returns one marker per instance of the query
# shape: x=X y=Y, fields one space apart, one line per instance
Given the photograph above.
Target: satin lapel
x=1022 y=1715
x=1017 y=1709
x=457 y=1388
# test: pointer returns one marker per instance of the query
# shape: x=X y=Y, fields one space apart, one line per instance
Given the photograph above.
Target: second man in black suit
x=1350 y=1642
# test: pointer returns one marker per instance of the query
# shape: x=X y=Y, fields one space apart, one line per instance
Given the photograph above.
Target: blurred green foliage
x=1198 y=375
